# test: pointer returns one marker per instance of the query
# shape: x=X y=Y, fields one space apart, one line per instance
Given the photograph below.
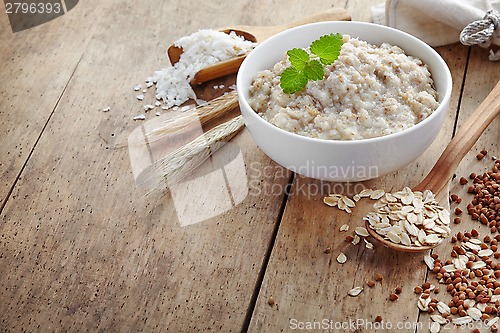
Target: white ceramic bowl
x=342 y=160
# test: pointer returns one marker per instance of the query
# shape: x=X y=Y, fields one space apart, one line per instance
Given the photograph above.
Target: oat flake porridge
x=369 y=91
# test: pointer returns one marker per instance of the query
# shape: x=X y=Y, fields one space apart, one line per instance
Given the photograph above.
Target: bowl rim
x=442 y=107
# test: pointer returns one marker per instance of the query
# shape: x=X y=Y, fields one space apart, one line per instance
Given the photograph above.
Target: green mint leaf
x=292 y=80
x=304 y=69
x=327 y=48
x=298 y=58
x=314 y=70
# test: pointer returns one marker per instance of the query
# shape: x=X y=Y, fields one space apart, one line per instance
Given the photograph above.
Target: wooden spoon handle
x=262 y=33
x=332 y=14
x=464 y=140
x=217 y=70
x=259 y=33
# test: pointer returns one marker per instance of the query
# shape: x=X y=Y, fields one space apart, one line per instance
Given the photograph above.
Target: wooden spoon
x=254 y=34
x=438 y=179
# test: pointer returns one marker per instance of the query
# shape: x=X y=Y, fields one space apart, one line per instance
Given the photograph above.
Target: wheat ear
x=203 y=114
x=181 y=162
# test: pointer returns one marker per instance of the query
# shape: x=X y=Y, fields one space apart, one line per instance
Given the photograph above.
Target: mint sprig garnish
x=314 y=70
x=293 y=80
x=298 y=58
x=307 y=67
x=327 y=48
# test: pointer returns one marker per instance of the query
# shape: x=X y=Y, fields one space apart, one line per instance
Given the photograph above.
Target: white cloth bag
x=437 y=22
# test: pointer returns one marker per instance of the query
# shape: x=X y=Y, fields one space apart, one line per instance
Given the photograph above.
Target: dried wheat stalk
x=177 y=165
x=203 y=114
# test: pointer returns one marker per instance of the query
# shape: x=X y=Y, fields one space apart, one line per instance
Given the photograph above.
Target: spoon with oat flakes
x=415 y=220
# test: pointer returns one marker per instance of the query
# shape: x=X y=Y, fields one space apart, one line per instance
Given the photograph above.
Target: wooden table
x=83 y=249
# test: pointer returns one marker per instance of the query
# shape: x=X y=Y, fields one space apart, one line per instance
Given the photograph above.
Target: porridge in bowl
x=369 y=91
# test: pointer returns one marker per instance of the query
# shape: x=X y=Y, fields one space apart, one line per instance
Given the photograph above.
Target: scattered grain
x=355 y=291
x=341 y=258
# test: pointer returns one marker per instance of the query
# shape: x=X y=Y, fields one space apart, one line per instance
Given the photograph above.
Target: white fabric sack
x=437 y=22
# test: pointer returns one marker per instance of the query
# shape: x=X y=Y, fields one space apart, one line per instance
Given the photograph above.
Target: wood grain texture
x=35 y=66
x=481 y=77
x=82 y=250
x=309 y=285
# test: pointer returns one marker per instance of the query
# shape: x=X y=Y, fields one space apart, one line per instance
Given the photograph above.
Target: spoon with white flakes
x=254 y=34
x=418 y=220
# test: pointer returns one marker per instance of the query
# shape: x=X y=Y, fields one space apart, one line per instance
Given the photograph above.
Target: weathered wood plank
x=308 y=284
x=481 y=77
x=35 y=66
x=81 y=249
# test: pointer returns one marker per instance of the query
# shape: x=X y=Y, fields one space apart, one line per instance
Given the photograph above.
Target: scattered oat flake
x=423 y=303
x=144 y=90
x=149 y=84
x=469 y=303
x=158 y=113
x=355 y=291
x=342 y=258
x=495 y=298
x=377 y=194
x=341 y=204
x=474 y=313
x=157 y=103
x=429 y=261
x=137 y=87
x=344 y=227
x=443 y=308
x=449 y=268
x=459 y=264
x=492 y=322
x=368 y=244
x=485 y=253
x=435 y=327
x=462 y=320
x=361 y=231
x=365 y=193
x=106 y=109
x=348 y=201
x=140 y=97
x=140 y=117
x=148 y=107
x=331 y=201
x=439 y=319
x=356 y=240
